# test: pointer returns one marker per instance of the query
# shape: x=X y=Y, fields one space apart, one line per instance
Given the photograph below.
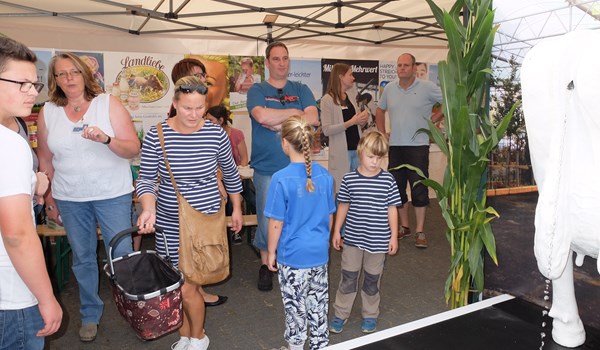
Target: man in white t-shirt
x=28 y=309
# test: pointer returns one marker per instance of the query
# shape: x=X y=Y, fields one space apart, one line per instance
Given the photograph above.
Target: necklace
x=77 y=109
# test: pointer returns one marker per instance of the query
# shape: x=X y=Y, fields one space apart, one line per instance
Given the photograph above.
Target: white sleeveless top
x=85 y=170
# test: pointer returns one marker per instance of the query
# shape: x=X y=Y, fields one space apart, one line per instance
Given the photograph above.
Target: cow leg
x=567 y=328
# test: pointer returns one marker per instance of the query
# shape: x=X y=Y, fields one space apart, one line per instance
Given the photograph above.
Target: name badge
x=78 y=129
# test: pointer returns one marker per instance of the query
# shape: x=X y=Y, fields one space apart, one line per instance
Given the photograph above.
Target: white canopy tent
x=524 y=23
x=379 y=30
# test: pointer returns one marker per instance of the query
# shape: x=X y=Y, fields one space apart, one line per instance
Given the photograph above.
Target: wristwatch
x=107 y=140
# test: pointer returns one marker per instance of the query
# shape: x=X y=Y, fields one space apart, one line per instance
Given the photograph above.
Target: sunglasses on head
x=188 y=89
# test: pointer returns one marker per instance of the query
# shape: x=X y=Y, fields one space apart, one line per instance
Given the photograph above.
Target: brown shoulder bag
x=203 y=247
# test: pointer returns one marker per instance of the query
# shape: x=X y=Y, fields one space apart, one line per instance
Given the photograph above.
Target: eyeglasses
x=63 y=75
x=26 y=85
x=281 y=96
x=188 y=89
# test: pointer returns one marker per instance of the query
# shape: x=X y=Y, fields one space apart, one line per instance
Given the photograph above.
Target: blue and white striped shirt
x=367 y=222
x=193 y=159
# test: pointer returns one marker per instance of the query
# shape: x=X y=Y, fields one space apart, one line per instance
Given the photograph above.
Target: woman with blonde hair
x=300 y=209
x=341 y=121
x=195 y=148
x=85 y=141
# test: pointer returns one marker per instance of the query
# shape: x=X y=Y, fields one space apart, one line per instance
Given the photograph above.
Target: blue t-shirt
x=304 y=240
x=267 y=155
x=409 y=110
x=367 y=221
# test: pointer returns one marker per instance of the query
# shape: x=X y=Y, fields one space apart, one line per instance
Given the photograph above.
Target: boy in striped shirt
x=368 y=201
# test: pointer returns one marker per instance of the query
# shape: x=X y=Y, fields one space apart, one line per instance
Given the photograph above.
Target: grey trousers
x=355 y=261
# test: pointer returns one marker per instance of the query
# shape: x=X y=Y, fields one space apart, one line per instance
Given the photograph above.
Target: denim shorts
x=18 y=329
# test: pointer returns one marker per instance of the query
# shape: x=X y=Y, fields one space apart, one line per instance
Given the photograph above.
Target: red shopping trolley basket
x=146 y=288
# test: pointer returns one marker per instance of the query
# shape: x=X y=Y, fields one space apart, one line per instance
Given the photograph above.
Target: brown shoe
x=421 y=241
x=404 y=232
x=88 y=332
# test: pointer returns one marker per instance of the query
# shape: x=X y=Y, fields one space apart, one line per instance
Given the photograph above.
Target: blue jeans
x=79 y=219
x=353 y=160
x=18 y=329
x=261 y=184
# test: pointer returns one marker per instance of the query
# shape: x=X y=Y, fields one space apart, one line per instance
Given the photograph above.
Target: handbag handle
x=127 y=232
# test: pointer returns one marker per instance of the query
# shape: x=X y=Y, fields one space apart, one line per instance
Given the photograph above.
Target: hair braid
x=307 y=159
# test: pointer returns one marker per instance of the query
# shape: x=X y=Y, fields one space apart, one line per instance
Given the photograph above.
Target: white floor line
x=424 y=322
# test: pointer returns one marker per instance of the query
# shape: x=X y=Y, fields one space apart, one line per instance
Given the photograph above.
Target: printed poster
x=43 y=59
x=243 y=72
x=142 y=82
x=217 y=77
x=366 y=75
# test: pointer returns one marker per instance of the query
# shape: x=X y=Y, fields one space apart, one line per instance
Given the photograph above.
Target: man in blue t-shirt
x=270 y=103
x=409 y=102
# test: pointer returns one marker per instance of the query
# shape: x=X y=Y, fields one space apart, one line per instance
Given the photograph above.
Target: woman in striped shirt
x=195 y=147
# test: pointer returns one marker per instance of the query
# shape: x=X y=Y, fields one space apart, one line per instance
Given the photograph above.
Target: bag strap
x=161 y=138
x=23 y=124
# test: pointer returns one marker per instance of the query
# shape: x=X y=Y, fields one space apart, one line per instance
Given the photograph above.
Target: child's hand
x=393 y=249
x=271 y=262
x=337 y=241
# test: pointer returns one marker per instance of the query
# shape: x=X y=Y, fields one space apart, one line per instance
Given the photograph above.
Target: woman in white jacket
x=341 y=121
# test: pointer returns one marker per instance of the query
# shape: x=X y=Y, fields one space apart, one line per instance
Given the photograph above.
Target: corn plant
x=468 y=139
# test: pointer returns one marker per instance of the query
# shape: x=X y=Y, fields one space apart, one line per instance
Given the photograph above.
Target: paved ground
x=412 y=288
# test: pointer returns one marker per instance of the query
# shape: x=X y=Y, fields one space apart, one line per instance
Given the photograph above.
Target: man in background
x=409 y=102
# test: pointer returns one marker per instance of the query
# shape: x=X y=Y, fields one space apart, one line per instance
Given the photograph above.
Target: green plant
x=469 y=138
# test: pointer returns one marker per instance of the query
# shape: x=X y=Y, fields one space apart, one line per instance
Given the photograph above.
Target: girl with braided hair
x=300 y=206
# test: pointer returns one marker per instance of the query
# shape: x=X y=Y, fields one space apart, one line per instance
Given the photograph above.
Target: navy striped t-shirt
x=367 y=224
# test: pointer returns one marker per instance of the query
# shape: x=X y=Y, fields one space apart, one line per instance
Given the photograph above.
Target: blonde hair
x=373 y=142
x=56 y=94
x=300 y=135
x=190 y=81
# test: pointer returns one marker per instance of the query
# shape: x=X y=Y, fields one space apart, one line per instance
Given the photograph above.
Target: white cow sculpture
x=560 y=80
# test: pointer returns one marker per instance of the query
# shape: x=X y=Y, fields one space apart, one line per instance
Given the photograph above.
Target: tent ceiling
x=406 y=22
x=524 y=24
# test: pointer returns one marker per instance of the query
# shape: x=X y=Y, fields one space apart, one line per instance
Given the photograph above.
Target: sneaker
x=237 y=239
x=198 y=344
x=368 y=325
x=421 y=241
x=88 y=332
x=404 y=232
x=265 y=279
x=337 y=325
x=181 y=344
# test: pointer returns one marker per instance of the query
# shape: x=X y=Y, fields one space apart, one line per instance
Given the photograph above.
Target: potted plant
x=467 y=140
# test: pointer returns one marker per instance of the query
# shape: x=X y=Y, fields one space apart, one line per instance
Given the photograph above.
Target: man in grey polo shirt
x=409 y=102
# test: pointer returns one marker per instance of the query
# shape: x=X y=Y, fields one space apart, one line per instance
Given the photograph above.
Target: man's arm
x=380 y=120
x=311 y=114
x=273 y=118
x=25 y=252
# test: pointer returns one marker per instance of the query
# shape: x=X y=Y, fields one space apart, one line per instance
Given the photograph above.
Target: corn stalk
x=469 y=138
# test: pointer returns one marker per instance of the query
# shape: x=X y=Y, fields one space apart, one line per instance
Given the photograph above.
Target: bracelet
x=107 y=140
x=50 y=208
